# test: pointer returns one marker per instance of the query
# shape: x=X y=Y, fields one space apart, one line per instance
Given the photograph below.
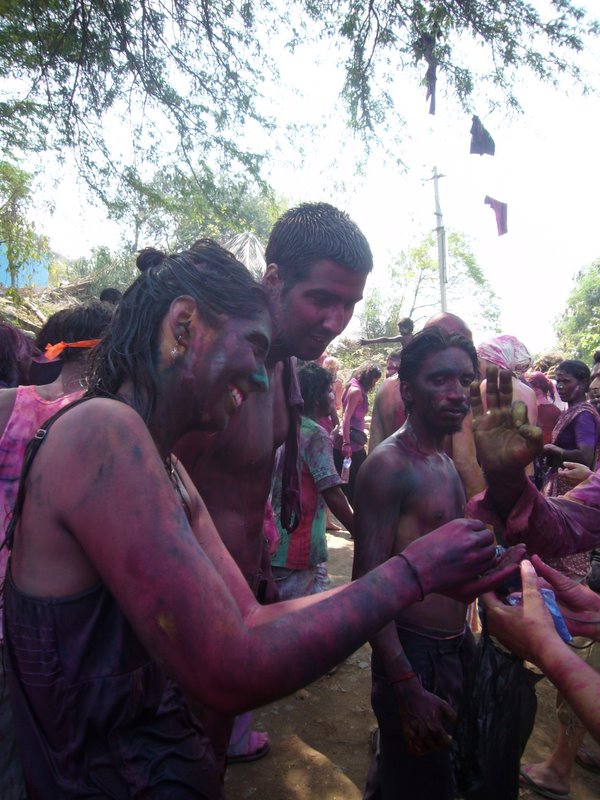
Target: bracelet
x=415 y=574
x=406 y=676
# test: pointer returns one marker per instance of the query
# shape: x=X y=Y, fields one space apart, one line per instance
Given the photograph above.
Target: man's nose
x=457 y=390
x=336 y=320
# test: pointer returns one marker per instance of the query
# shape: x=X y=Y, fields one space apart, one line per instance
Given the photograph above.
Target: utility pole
x=441 y=239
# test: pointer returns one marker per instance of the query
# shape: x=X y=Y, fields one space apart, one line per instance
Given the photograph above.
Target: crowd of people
x=170 y=460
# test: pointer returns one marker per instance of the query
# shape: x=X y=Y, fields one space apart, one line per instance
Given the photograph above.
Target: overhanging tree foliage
x=469 y=43
x=578 y=329
x=186 y=75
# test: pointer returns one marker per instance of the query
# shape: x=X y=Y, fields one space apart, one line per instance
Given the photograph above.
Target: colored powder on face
x=261 y=378
x=167 y=625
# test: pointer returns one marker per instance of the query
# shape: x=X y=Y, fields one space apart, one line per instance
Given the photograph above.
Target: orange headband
x=53 y=351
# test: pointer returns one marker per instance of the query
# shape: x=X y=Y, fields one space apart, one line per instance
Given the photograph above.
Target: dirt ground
x=320 y=735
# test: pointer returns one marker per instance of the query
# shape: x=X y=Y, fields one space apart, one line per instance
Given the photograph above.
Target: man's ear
x=183 y=317
x=272 y=282
x=406 y=391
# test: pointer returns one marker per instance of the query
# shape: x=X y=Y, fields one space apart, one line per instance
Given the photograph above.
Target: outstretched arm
x=574 y=473
x=584 y=454
x=528 y=630
x=178 y=586
x=505 y=443
x=381 y=340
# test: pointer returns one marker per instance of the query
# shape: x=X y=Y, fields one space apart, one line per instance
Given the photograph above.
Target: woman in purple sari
x=575 y=435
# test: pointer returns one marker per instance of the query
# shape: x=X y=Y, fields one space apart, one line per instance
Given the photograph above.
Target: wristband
x=406 y=676
x=345 y=444
x=415 y=574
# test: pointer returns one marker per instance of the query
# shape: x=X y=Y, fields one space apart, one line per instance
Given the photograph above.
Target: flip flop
x=252 y=751
x=588 y=760
x=529 y=783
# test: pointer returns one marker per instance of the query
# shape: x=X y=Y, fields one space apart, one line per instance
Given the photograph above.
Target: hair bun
x=149 y=257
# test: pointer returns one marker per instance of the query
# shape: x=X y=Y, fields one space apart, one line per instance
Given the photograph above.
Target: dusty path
x=320 y=735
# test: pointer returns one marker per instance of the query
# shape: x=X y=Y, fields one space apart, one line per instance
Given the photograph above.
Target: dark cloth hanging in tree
x=501 y=212
x=481 y=141
x=423 y=48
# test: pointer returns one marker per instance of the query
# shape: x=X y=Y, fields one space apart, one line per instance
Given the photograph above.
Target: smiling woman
x=218 y=310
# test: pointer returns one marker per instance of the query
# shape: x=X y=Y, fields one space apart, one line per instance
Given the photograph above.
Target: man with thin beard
x=407 y=487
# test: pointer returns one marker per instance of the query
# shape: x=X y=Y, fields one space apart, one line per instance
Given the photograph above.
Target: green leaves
x=578 y=329
x=387 y=36
x=186 y=69
x=186 y=76
x=413 y=289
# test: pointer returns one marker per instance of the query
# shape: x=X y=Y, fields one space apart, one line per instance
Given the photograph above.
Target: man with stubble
x=317 y=264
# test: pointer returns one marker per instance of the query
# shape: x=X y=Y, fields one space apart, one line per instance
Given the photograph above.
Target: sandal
x=588 y=760
x=528 y=782
x=256 y=746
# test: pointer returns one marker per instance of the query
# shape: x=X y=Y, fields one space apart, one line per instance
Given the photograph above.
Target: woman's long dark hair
x=220 y=285
x=366 y=374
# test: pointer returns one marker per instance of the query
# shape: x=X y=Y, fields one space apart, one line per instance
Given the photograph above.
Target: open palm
x=504 y=438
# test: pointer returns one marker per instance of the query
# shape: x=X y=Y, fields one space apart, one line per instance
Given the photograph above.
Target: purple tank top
x=94 y=716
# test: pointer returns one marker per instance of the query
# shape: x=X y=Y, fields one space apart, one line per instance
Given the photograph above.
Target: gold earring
x=175 y=355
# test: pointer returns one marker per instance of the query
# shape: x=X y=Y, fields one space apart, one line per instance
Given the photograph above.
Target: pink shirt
x=29 y=413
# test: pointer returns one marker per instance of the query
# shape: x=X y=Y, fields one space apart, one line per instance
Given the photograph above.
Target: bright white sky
x=546 y=167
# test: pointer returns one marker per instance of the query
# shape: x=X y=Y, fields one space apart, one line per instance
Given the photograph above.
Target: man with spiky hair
x=317 y=264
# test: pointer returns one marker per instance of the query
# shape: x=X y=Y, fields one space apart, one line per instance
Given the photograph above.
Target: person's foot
x=543 y=780
x=252 y=747
x=588 y=759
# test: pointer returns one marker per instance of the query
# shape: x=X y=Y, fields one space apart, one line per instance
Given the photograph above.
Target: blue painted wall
x=33 y=273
